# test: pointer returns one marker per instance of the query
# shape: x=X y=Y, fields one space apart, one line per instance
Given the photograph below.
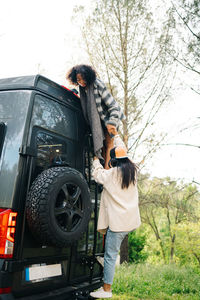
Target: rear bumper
x=69 y=292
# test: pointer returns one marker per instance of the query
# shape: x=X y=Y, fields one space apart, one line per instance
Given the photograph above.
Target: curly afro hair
x=87 y=72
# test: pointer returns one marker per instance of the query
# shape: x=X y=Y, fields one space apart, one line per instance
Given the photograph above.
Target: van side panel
x=13 y=111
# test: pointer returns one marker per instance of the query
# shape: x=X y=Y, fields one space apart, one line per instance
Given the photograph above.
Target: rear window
x=55 y=117
x=2 y=135
x=13 y=113
x=52 y=150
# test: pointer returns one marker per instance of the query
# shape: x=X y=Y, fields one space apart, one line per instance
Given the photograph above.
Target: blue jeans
x=112 y=246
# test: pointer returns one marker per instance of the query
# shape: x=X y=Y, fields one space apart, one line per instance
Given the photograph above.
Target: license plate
x=42 y=272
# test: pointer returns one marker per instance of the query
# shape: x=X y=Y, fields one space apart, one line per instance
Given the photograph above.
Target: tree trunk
x=124 y=250
x=172 y=248
x=162 y=249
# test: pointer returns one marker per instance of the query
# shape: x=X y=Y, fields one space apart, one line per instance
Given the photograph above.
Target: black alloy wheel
x=58 y=206
x=69 y=207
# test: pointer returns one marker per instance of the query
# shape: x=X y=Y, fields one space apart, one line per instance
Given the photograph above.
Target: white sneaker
x=100 y=260
x=100 y=293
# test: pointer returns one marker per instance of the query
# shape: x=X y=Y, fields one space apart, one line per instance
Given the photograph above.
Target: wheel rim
x=68 y=208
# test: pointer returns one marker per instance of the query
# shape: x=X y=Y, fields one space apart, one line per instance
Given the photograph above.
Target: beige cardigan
x=119 y=207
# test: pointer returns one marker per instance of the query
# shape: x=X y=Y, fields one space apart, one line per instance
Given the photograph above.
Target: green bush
x=136 y=243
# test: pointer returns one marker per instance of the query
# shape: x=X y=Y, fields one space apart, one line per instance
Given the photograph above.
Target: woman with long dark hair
x=119 y=210
x=100 y=110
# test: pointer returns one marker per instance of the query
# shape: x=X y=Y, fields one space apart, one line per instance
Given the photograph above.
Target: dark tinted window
x=13 y=112
x=51 y=151
x=54 y=117
x=2 y=135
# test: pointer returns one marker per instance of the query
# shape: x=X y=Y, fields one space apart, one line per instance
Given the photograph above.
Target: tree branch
x=198 y=37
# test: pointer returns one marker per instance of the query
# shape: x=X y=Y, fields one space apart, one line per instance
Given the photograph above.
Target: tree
x=188 y=241
x=125 y=46
x=164 y=206
x=185 y=18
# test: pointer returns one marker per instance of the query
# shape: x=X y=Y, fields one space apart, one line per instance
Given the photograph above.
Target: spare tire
x=58 y=206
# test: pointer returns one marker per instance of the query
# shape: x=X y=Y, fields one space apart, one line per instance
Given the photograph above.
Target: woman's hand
x=111 y=129
x=95 y=157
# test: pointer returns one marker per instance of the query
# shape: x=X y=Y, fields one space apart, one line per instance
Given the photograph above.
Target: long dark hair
x=128 y=171
x=87 y=72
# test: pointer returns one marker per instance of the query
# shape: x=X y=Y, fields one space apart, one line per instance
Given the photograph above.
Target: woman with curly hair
x=100 y=110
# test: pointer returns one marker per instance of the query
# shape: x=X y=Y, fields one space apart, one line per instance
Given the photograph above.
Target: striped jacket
x=109 y=110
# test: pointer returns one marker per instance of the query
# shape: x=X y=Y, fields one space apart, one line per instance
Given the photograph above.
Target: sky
x=179 y=161
x=39 y=36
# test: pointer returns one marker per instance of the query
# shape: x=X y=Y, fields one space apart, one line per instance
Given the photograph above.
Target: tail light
x=5 y=290
x=7 y=232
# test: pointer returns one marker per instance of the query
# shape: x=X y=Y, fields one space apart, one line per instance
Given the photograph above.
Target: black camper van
x=48 y=201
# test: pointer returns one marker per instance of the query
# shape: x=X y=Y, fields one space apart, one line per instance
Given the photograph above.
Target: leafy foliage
x=171 y=211
x=136 y=242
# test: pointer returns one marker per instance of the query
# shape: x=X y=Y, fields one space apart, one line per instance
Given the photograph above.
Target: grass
x=150 y=282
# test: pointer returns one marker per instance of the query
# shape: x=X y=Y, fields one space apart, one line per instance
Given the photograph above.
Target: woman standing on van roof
x=119 y=211
x=100 y=110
